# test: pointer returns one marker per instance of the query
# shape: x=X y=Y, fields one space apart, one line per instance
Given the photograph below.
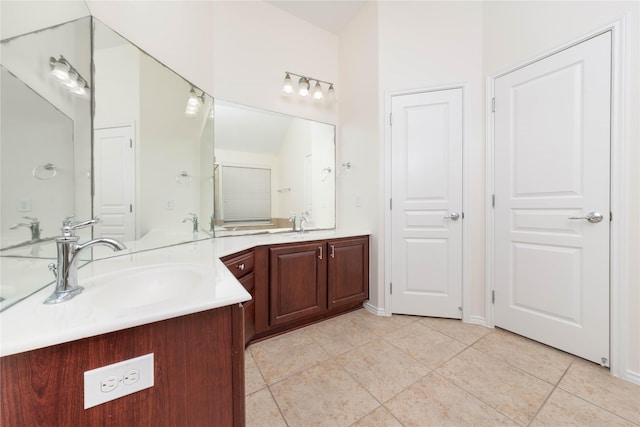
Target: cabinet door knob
x=333 y=251
x=320 y=256
x=241 y=267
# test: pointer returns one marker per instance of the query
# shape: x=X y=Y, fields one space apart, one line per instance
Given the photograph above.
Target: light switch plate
x=119 y=379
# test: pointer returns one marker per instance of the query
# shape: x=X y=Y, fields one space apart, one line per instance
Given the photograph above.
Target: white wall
x=359 y=142
x=536 y=27
x=21 y=17
x=255 y=43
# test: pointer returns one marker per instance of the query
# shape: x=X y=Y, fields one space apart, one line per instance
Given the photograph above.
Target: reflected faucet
x=66 y=270
x=34 y=226
x=292 y=220
x=304 y=219
x=194 y=220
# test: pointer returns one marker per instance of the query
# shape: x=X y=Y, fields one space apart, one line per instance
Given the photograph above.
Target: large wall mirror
x=271 y=171
x=148 y=174
x=131 y=141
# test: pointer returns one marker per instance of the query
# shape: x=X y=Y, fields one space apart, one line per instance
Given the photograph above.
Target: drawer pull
x=240 y=267
x=320 y=256
x=333 y=251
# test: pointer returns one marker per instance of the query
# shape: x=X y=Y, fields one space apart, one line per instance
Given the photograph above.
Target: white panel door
x=552 y=148
x=114 y=175
x=426 y=217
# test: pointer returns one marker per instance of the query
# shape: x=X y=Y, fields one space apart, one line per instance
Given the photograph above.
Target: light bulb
x=331 y=94
x=59 y=69
x=287 y=86
x=303 y=86
x=80 y=90
x=317 y=91
x=72 y=81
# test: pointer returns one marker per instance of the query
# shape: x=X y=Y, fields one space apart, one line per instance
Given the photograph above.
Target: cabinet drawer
x=241 y=264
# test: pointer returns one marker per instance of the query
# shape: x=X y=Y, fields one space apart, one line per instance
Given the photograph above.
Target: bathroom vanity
x=184 y=305
x=294 y=284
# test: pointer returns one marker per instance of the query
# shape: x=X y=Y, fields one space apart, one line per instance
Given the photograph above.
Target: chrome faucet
x=292 y=220
x=194 y=220
x=34 y=226
x=66 y=270
x=304 y=219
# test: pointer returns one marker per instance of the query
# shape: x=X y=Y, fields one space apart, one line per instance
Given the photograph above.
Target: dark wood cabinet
x=242 y=267
x=199 y=376
x=297 y=281
x=295 y=284
x=348 y=271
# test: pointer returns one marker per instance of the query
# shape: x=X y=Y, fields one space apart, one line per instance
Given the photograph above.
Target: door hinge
x=610 y=216
x=130 y=143
x=390 y=119
x=493 y=105
x=493 y=297
x=390 y=288
x=130 y=207
x=493 y=200
x=460 y=309
x=390 y=204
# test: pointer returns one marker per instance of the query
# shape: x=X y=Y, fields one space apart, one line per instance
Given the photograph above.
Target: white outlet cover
x=130 y=376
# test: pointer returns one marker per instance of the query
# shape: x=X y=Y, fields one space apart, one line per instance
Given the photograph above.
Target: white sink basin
x=133 y=288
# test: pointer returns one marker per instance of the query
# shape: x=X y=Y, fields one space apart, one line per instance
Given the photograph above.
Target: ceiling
x=330 y=15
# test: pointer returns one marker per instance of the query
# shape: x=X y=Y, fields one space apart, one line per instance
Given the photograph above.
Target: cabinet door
x=249 y=308
x=348 y=280
x=298 y=281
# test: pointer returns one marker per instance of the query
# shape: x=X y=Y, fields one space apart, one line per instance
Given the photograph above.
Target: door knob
x=591 y=217
x=454 y=216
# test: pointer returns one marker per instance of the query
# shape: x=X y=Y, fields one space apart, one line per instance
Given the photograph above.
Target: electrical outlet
x=119 y=379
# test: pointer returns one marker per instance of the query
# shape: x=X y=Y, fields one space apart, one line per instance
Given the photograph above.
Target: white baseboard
x=373 y=309
x=476 y=320
x=631 y=376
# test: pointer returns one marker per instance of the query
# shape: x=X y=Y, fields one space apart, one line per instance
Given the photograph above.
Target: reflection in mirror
x=46 y=136
x=45 y=151
x=272 y=170
x=153 y=158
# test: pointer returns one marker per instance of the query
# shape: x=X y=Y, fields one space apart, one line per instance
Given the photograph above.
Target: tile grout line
x=590 y=402
x=555 y=386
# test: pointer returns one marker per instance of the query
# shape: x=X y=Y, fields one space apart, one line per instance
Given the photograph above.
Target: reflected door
x=114 y=174
x=426 y=241
x=552 y=124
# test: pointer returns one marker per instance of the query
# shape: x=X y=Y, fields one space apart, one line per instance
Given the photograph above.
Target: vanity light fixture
x=194 y=102
x=304 y=87
x=68 y=76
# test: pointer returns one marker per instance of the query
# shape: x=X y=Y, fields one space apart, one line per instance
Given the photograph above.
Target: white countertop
x=30 y=325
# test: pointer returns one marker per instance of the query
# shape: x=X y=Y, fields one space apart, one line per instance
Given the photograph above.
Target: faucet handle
x=31 y=218
x=68 y=227
x=67 y=220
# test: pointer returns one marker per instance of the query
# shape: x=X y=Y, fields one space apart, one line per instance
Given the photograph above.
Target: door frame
x=466 y=292
x=619 y=278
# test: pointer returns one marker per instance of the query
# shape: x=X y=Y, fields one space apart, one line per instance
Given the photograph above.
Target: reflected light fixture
x=304 y=87
x=194 y=102
x=68 y=76
x=287 y=86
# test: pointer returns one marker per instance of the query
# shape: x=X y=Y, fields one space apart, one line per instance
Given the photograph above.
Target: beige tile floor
x=364 y=370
